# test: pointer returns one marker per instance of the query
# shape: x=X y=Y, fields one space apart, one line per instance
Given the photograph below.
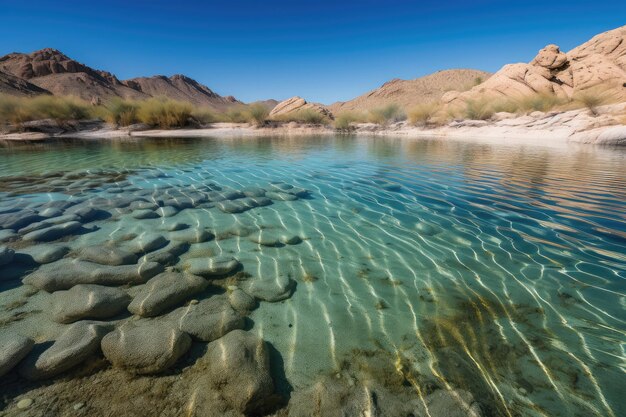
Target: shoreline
x=574 y=126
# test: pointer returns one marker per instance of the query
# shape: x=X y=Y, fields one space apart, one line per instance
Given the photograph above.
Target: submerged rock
x=191 y=235
x=42 y=254
x=88 y=301
x=242 y=204
x=78 y=343
x=107 y=255
x=147 y=242
x=6 y=255
x=269 y=288
x=237 y=370
x=174 y=226
x=145 y=348
x=281 y=196
x=241 y=301
x=164 y=291
x=64 y=274
x=142 y=214
x=211 y=267
x=208 y=319
x=13 y=348
x=53 y=232
x=167 y=211
x=18 y=220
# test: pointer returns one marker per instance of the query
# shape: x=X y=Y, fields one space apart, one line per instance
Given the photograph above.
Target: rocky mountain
x=407 y=93
x=599 y=63
x=15 y=86
x=49 y=70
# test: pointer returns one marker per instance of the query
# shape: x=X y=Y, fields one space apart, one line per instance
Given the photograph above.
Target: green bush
x=18 y=110
x=257 y=114
x=122 y=112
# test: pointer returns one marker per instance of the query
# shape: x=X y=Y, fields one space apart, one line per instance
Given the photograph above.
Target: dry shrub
x=424 y=114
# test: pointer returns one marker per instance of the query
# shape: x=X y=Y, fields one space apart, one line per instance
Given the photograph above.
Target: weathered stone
x=294 y=105
x=238 y=368
x=215 y=196
x=142 y=214
x=107 y=255
x=164 y=291
x=272 y=289
x=143 y=205
x=211 y=267
x=7 y=235
x=191 y=235
x=147 y=242
x=167 y=211
x=241 y=301
x=174 y=226
x=53 y=232
x=51 y=212
x=208 y=319
x=88 y=301
x=253 y=192
x=280 y=196
x=145 y=348
x=18 y=220
x=78 y=343
x=13 y=348
x=64 y=274
x=6 y=255
x=42 y=254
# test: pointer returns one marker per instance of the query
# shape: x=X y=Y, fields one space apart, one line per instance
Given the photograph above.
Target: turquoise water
x=499 y=269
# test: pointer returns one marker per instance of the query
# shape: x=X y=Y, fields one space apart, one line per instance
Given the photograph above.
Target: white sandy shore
x=575 y=126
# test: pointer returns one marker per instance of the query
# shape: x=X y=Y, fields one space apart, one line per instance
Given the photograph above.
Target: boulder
x=215 y=196
x=211 y=267
x=19 y=219
x=242 y=204
x=78 y=343
x=107 y=255
x=281 y=196
x=269 y=288
x=6 y=255
x=147 y=242
x=173 y=226
x=53 y=232
x=167 y=211
x=238 y=369
x=66 y=273
x=241 y=301
x=208 y=319
x=550 y=57
x=42 y=254
x=87 y=301
x=292 y=106
x=142 y=214
x=191 y=235
x=145 y=348
x=164 y=291
x=13 y=348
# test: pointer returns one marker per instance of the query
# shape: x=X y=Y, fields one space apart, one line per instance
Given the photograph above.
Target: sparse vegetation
x=423 y=114
x=17 y=110
x=258 y=113
x=122 y=112
x=540 y=102
x=344 y=120
x=479 y=109
x=391 y=113
x=307 y=116
x=591 y=99
x=164 y=113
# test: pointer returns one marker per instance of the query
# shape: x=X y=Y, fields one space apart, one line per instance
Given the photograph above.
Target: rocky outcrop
x=599 y=63
x=15 y=86
x=292 y=106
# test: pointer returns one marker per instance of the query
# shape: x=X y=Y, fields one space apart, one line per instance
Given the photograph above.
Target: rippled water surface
x=499 y=269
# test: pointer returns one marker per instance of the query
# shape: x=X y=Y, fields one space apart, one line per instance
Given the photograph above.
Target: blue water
x=496 y=268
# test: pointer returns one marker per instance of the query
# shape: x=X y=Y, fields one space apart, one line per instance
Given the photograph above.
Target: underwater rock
x=211 y=267
x=174 y=226
x=280 y=196
x=289 y=189
x=167 y=211
x=107 y=255
x=208 y=319
x=51 y=212
x=13 y=348
x=147 y=242
x=143 y=214
x=66 y=273
x=164 y=291
x=7 y=235
x=89 y=214
x=253 y=192
x=53 y=232
x=6 y=255
x=215 y=196
x=191 y=235
x=18 y=220
x=143 y=205
x=78 y=343
x=269 y=288
x=146 y=348
x=238 y=368
x=88 y=301
x=273 y=238
x=168 y=255
x=241 y=301
x=242 y=204
x=41 y=254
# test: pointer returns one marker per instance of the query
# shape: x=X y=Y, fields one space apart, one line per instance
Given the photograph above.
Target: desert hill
x=49 y=70
x=407 y=93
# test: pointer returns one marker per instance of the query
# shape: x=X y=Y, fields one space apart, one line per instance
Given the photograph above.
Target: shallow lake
x=498 y=269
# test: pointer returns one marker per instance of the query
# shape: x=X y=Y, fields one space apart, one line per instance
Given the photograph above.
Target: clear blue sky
x=322 y=50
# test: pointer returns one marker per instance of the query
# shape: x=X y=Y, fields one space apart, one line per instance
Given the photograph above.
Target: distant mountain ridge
x=50 y=71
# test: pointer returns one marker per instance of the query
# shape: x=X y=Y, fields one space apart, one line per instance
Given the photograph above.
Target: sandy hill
x=51 y=70
x=407 y=93
x=598 y=64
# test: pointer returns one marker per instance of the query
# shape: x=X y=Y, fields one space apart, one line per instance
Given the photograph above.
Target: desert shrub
x=540 y=102
x=344 y=120
x=423 y=114
x=257 y=113
x=307 y=116
x=164 y=113
x=478 y=81
x=17 y=110
x=478 y=109
x=122 y=112
x=389 y=114
x=237 y=114
x=591 y=99
x=205 y=115
x=505 y=105
x=13 y=110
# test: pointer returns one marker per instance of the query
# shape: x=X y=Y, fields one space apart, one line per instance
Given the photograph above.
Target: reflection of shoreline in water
x=449 y=266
